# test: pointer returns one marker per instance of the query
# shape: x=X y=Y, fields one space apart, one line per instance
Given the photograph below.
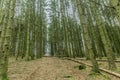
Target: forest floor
x=44 y=69
x=51 y=68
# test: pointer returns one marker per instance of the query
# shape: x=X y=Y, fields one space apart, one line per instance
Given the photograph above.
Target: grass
x=89 y=75
x=68 y=76
x=98 y=76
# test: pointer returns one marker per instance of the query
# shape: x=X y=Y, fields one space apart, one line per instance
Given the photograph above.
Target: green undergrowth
x=117 y=70
x=70 y=77
x=4 y=78
x=98 y=76
x=90 y=75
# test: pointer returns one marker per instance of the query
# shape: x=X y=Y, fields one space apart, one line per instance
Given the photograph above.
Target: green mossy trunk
x=87 y=37
x=6 y=38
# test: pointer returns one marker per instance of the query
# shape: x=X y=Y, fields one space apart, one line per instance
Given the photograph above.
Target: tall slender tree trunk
x=87 y=37
x=6 y=36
